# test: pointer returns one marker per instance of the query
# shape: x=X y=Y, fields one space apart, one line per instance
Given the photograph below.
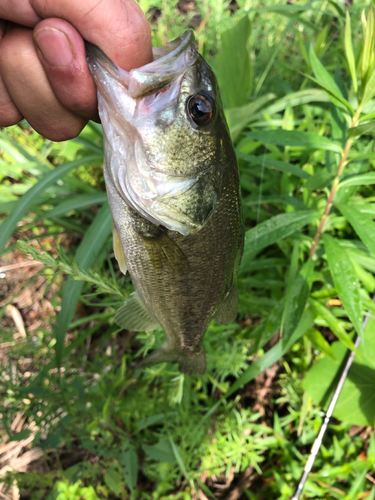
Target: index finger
x=118 y=27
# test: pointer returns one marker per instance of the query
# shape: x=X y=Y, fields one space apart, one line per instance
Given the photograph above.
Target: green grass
x=298 y=117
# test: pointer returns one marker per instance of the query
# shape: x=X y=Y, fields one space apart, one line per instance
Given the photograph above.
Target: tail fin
x=195 y=363
x=188 y=362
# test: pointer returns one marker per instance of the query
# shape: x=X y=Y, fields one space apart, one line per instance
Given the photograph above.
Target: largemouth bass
x=173 y=188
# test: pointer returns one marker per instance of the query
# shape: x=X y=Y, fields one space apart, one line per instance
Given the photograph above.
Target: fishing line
x=318 y=441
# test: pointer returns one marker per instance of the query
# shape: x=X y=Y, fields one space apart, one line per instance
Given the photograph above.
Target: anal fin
x=227 y=310
x=134 y=316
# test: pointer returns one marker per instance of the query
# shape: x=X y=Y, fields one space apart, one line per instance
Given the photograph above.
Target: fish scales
x=173 y=189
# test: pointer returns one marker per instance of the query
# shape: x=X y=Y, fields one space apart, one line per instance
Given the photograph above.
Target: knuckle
x=16 y=53
x=9 y=114
x=62 y=131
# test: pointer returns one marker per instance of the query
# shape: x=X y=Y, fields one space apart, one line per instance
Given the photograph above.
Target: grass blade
x=294 y=99
x=93 y=241
x=76 y=203
x=333 y=323
x=23 y=205
x=318 y=341
x=239 y=117
x=181 y=463
x=274 y=354
x=368 y=46
x=282 y=166
x=296 y=299
x=349 y=51
x=295 y=138
x=369 y=92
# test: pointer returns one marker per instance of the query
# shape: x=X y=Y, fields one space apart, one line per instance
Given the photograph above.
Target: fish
x=173 y=188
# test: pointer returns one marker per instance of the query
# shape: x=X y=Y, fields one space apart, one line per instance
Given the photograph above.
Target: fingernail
x=55 y=46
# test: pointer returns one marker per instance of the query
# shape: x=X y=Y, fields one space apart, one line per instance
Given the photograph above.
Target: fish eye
x=201 y=109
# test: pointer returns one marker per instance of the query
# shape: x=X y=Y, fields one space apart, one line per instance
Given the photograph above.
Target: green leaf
x=362 y=225
x=361 y=156
x=282 y=166
x=333 y=323
x=32 y=195
x=128 y=460
x=325 y=80
x=296 y=299
x=320 y=180
x=368 y=46
x=77 y=202
x=160 y=418
x=160 y=452
x=319 y=342
x=87 y=252
x=178 y=457
x=113 y=480
x=274 y=354
x=358 y=180
x=294 y=99
x=275 y=229
x=295 y=138
x=232 y=64
x=283 y=199
x=238 y=118
x=358 y=485
x=349 y=52
x=362 y=129
x=273 y=323
x=18 y=153
x=19 y=436
x=367 y=279
x=345 y=280
x=356 y=403
x=369 y=91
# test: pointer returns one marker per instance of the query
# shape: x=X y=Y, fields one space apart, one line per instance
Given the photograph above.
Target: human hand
x=44 y=77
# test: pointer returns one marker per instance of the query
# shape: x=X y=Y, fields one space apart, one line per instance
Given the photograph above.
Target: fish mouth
x=172 y=60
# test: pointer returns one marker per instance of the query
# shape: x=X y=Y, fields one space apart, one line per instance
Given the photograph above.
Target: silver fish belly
x=173 y=188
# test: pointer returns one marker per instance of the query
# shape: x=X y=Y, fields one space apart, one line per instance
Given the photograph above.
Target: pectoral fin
x=119 y=253
x=162 y=251
x=227 y=310
x=134 y=316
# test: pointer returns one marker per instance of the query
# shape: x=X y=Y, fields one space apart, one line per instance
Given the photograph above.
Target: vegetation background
x=298 y=83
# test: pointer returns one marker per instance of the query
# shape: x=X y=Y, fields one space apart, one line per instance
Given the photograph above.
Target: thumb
x=118 y=27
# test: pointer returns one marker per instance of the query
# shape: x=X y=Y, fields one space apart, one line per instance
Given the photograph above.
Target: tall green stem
x=335 y=185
